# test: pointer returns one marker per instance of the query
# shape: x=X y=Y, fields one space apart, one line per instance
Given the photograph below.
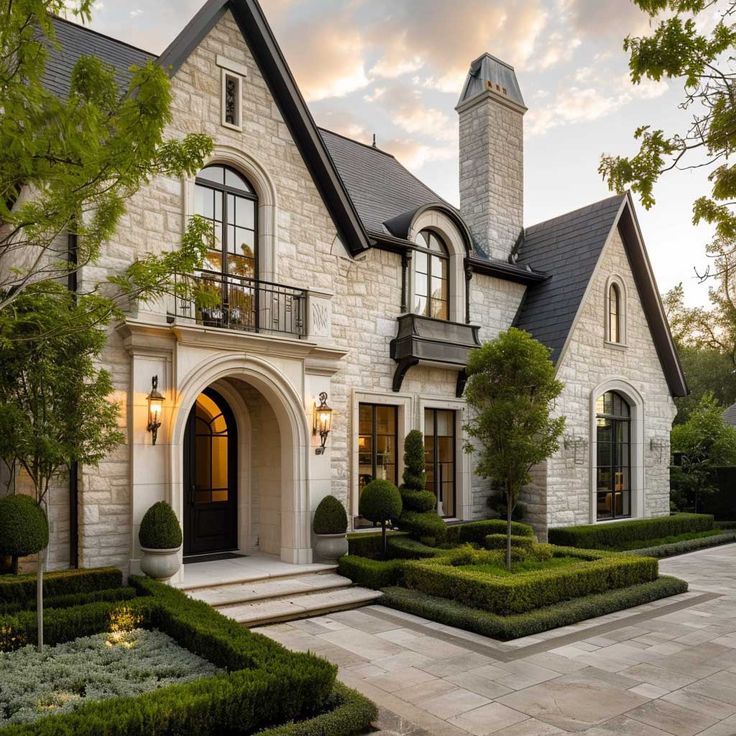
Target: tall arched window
x=615 y=313
x=431 y=281
x=224 y=198
x=613 y=449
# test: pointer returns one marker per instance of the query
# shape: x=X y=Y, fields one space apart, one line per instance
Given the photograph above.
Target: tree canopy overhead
x=70 y=164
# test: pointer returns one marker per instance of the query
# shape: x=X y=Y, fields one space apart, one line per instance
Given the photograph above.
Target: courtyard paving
x=663 y=669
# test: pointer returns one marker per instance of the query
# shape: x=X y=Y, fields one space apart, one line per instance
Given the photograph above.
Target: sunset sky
x=396 y=67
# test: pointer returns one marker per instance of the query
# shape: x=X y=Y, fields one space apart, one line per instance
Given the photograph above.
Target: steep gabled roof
x=569 y=247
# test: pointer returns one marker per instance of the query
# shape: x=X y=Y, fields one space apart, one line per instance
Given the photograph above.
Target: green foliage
x=160 y=529
x=21 y=589
x=82 y=155
x=375 y=574
x=330 y=517
x=426 y=527
x=475 y=532
x=370 y=544
x=614 y=535
x=415 y=475
x=411 y=549
x=518 y=593
x=419 y=501
x=70 y=600
x=511 y=389
x=690 y=543
x=380 y=501
x=24 y=528
x=499 y=541
x=687 y=46
x=347 y=713
x=505 y=628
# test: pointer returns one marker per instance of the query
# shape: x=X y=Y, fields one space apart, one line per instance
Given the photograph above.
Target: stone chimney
x=491 y=111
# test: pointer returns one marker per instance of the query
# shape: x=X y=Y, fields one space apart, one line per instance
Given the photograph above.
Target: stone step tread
x=228 y=594
x=313 y=604
x=258 y=575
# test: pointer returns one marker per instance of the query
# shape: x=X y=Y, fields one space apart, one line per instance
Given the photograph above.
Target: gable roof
x=569 y=247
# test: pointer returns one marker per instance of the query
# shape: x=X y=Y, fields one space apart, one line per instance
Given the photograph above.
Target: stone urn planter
x=160 y=538
x=330 y=530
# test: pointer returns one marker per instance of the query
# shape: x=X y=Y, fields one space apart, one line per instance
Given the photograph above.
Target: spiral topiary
x=24 y=528
x=160 y=528
x=415 y=475
x=330 y=517
x=380 y=502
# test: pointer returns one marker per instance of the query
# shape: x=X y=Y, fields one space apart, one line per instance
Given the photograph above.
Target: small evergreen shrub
x=160 y=529
x=476 y=532
x=370 y=544
x=374 y=574
x=420 y=501
x=415 y=474
x=428 y=528
x=24 y=528
x=330 y=517
x=380 y=502
x=616 y=534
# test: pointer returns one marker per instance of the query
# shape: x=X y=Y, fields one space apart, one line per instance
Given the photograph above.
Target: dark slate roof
x=76 y=41
x=568 y=247
x=488 y=72
x=729 y=416
x=380 y=187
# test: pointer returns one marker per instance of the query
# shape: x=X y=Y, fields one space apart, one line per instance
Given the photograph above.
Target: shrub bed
x=407 y=548
x=616 y=534
x=499 y=541
x=686 y=545
x=526 y=591
x=70 y=599
x=453 y=613
x=370 y=544
x=476 y=532
x=375 y=574
x=22 y=588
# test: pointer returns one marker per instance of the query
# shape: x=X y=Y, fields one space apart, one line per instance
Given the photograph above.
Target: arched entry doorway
x=210 y=477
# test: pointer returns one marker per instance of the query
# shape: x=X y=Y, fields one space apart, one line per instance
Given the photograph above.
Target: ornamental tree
x=55 y=406
x=511 y=389
x=68 y=164
x=380 y=502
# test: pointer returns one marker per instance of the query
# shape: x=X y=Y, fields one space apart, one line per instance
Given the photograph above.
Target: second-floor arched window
x=431 y=276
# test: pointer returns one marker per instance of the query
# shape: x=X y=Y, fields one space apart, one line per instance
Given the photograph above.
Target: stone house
x=339 y=274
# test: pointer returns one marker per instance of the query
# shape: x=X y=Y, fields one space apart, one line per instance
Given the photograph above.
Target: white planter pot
x=160 y=564
x=328 y=547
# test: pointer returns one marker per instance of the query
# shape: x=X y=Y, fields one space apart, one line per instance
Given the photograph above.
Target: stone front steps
x=267 y=600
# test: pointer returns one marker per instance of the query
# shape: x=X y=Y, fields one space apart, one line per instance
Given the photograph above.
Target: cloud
x=413 y=154
x=612 y=19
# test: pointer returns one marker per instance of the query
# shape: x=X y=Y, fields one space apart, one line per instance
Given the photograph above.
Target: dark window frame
x=374 y=438
x=614 y=314
x=437 y=490
x=444 y=257
x=622 y=468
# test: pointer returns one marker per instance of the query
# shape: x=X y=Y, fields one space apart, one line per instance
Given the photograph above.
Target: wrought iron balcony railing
x=236 y=303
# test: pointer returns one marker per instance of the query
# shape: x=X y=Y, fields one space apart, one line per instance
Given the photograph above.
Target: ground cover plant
x=258 y=685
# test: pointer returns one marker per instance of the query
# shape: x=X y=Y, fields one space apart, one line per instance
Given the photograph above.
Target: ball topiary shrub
x=330 y=517
x=380 y=502
x=24 y=528
x=160 y=528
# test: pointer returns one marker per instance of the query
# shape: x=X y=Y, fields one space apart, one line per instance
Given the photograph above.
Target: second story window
x=232 y=98
x=616 y=312
x=229 y=202
x=431 y=281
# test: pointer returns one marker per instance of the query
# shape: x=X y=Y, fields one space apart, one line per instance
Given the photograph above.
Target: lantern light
x=155 y=406
x=322 y=422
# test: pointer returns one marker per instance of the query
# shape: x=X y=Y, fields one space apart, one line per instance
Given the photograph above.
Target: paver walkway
x=664 y=669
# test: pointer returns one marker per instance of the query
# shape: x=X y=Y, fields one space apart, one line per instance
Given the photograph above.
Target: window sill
x=230 y=126
x=615 y=345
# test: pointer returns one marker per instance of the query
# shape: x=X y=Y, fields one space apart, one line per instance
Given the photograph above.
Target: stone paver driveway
x=664 y=669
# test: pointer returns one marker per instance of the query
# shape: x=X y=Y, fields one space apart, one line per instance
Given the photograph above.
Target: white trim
x=636 y=403
x=232 y=66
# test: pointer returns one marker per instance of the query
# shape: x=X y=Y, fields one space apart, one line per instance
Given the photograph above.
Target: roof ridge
x=106 y=36
x=619 y=197
x=353 y=140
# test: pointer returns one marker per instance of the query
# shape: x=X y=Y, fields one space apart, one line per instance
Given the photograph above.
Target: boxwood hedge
x=370 y=544
x=22 y=588
x=375 y=574
x=615 y=534
x=453 y=613
x=672 y=549
x=477 y=531
x=530 y=590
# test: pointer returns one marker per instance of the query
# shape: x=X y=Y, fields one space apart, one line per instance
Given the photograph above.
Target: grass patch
x=504 y=628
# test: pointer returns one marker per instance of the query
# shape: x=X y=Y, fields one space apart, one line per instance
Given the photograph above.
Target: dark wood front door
x=210 y=477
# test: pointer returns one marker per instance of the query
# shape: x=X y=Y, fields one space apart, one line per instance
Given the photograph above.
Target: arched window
x=229 y=202
x=613 y=449
x=615 y=313
x=431 y=281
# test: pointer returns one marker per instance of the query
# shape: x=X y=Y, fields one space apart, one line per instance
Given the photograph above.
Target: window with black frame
x=431 y=280
x=224 y=198
x=439 y=456
x=613 y=449
x=377 y=443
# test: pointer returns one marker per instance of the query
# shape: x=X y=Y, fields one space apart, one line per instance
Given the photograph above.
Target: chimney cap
x=489 y=73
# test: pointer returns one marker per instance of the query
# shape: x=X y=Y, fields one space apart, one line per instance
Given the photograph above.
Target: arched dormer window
x=615 y=312
x=431 y=276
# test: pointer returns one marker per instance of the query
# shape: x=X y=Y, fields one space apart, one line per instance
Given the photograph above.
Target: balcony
x=434 y=342
x=236 y=303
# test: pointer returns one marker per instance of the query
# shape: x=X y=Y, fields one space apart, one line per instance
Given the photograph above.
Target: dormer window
x=615 y=312
x=431 y=280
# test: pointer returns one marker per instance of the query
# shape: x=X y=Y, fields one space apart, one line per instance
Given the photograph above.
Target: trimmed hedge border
x=264 y=683
x=70 y=599
x=505 y=628
x=687 y=545
x=476 y=532
x=527 y=591
x=406 y=548
x=22 y=588
x=499 y=541
x=374 y=574
x=350 y=713
x=613 y=534
x=370 y=544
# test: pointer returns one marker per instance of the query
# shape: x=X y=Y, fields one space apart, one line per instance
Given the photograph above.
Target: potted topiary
x=380 y=502
x=24 y=528
x=160 y=538
x=330 y=527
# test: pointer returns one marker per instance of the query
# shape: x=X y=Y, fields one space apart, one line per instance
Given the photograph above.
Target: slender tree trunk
x=509 y=510
x=39 y=597
x=385 y=544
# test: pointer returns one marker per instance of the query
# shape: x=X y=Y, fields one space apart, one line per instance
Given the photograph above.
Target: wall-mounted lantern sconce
x=578 y=445
x=155 y=404
x=322 y=422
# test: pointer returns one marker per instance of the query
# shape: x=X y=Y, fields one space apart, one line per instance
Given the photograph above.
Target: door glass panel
x=613 y=456
x=439 y=453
